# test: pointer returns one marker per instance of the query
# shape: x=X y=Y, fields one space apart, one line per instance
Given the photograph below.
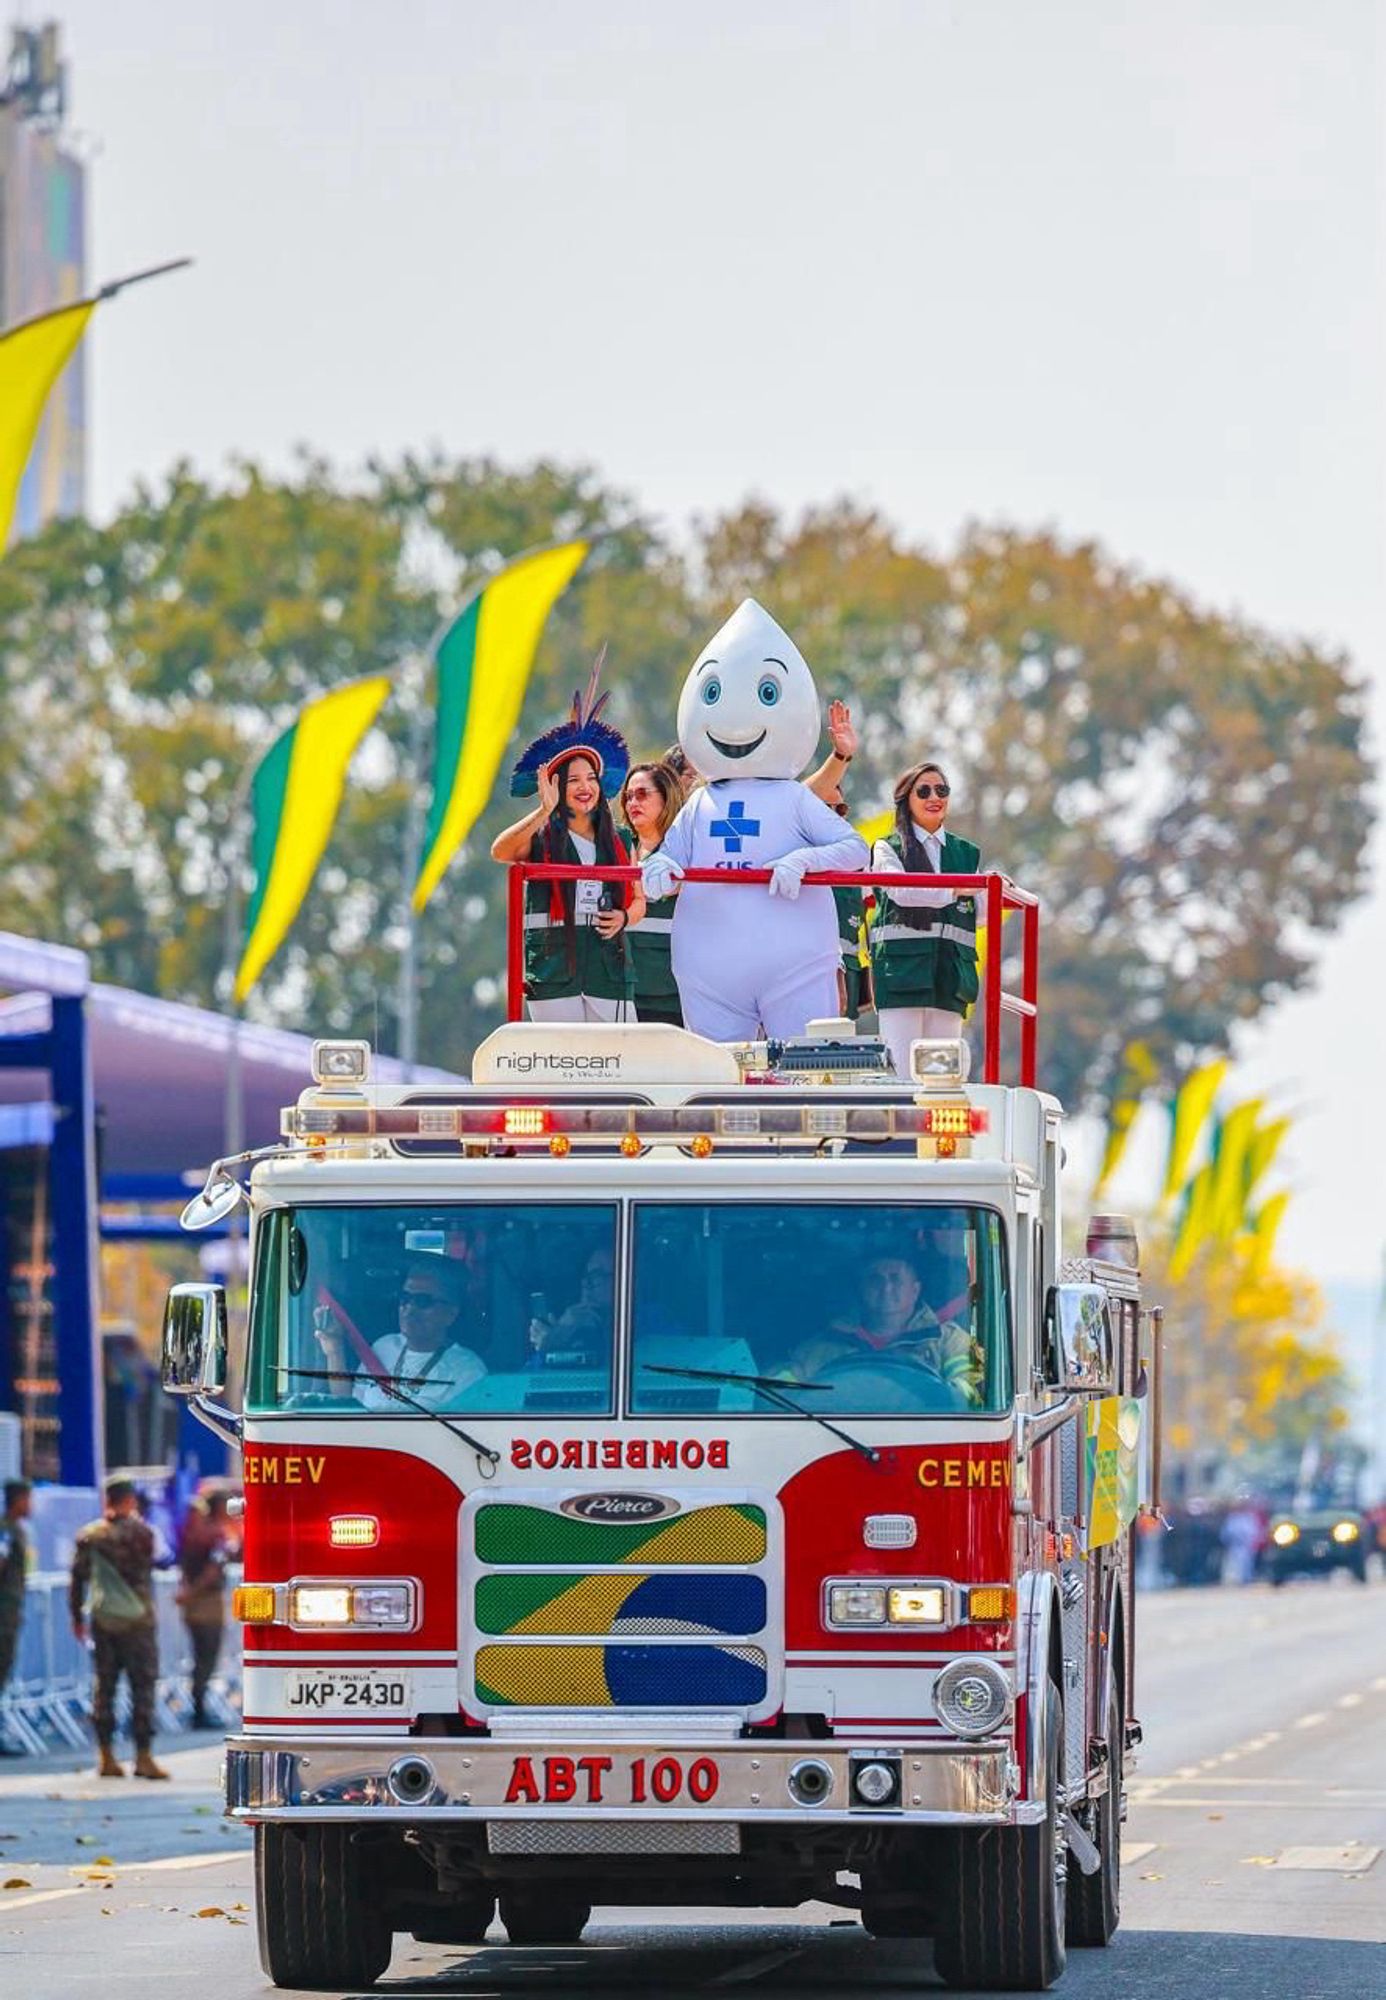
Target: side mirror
x=1078 y=1339
x=194 y=1345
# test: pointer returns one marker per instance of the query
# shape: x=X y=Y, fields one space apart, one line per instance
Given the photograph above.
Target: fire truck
x=682 y=1474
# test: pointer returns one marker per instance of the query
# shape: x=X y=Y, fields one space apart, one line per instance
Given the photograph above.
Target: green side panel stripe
x=267 y=792
x=456 y=660
x=516 y=1534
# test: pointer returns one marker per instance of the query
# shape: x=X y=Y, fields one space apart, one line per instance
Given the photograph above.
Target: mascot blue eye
x=769 y=692
x=712 y=691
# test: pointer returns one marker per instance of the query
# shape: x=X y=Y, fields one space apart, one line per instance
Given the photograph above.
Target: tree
x=1187 y=794
x=1250 y=1378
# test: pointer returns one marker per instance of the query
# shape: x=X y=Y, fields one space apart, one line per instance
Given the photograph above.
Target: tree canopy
x=1188 y=794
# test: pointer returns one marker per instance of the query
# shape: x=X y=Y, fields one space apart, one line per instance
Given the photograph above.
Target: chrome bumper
x=470 y=1781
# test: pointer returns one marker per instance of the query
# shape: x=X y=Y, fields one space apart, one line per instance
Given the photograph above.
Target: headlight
x=972 y=1697
x=1345 y=1531
x=374 y=1605
x=321 y=1604
x=857 y=1604
x=1284 y=1533
x=340 y=1062
x=918 y=1604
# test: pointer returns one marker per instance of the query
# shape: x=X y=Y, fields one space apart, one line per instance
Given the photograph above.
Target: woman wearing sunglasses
x=650 y=800
x=924 y=941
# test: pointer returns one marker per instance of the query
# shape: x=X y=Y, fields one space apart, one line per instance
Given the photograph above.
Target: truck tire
x=1094 y=1901
x=318 y=1925
x=1002 y=1928
x=543 y=1916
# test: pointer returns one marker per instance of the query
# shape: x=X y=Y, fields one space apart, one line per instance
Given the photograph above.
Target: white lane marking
x=1349 y=1701
x=1350 y=1860
x=175 y=1861
x=1379 y=1684
x=1332 y=1802
x=1136 y=1850
x=1312 y=1721
x=43 y=1896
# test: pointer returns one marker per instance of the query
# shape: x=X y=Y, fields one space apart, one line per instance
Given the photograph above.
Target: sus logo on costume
x=763 y=956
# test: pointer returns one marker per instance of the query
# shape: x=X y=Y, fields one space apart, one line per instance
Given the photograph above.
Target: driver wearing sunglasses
x=424 y=1357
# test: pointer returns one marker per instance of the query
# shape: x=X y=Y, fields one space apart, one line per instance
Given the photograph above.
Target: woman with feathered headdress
x=576 y=965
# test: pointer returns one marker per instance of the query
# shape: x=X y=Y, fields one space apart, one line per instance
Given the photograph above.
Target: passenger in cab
x=890 y=1321
x=425 y=1357
x=577 y=966
x=580 y=1335
x=924 y=941
x=650 y=800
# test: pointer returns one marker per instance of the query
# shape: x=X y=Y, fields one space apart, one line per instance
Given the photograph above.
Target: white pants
x=783 y=1014
x=902 y=1025
x=579 y=1007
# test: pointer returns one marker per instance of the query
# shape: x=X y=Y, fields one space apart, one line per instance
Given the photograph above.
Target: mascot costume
x=763 y=956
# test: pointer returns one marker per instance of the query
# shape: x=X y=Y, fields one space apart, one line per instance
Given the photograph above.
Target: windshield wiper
x=773 y=1390
x=390 y=1386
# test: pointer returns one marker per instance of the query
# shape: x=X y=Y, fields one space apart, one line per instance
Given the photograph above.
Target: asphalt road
x=1252 y=1865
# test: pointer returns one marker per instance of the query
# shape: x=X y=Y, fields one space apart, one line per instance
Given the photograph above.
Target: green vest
x=851 y=909
x=927 y=958
x=649 y=947
x=561 y=963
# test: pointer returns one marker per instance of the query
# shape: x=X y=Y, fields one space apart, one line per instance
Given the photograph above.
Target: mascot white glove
x=787 y=875
x=661 y=876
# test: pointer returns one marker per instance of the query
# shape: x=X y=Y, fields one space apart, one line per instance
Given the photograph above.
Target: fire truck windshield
x=895 y=1309
x=478 y=1309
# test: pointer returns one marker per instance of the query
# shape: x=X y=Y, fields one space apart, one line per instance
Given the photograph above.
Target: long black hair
x=912 y=849
x=551 y=844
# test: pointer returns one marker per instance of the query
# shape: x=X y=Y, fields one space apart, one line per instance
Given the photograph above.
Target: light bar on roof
x=517 y=1127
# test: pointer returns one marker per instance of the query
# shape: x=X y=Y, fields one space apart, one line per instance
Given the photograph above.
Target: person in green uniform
x=577 y=965
x=650 y=800
x=923 y=941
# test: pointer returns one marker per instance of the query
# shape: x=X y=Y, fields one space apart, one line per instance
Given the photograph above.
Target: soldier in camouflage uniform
x=14 y=1563
x=112 y=1586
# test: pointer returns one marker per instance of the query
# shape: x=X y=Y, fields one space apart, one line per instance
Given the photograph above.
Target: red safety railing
x=998 y=895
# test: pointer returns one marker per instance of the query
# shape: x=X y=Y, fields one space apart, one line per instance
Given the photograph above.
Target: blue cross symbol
x=731 y=829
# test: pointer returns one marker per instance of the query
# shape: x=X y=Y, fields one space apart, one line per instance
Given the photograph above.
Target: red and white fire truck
x=681 y=1474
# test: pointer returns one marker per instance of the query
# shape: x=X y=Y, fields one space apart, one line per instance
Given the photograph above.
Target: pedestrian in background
x=650 y=801
x=204 y=1549
x=14 y=1568
x=924 y=941
x=111 y=1592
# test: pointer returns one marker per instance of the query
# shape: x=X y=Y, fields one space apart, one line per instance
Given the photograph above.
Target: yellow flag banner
x=484 y=663
x=294 y=797
x=1228 y=1209
x=1188 y=1115
x=1138 y=1072
x=1262 y=1148
x=878 y=827
x=1194 y=1223
x=32 y=357
x=1265 y=1227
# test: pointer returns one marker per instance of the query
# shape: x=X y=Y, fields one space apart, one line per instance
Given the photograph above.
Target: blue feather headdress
x=584 y=730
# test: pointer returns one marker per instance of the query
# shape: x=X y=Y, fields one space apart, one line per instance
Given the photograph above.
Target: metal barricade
x=47 y=1701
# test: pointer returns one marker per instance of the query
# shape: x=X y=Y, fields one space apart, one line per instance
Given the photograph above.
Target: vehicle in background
x=1314 y=1542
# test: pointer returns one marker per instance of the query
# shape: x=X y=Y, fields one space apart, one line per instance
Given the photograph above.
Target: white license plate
x=348 y=1691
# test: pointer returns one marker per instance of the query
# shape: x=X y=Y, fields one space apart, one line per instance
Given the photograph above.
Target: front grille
x=570 y=1612
x=579 y=1836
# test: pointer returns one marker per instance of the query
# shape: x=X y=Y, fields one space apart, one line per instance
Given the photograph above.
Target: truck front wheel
x=319 y=1924
x=1001 y=1926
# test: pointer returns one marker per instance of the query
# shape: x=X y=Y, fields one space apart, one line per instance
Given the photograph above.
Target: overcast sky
x=1111 y=265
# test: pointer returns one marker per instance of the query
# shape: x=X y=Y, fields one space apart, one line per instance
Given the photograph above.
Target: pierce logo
x=619 y=1507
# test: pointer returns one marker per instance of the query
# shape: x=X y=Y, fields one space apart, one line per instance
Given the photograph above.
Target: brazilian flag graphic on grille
x=620 y=1676
x=575 y=1606
x=517 y=1534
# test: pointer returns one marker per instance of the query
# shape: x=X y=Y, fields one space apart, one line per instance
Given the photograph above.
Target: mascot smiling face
x=749 y=708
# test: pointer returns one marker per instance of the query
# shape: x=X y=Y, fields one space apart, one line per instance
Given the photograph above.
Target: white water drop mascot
x=763 y=956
